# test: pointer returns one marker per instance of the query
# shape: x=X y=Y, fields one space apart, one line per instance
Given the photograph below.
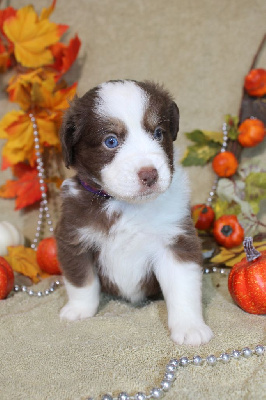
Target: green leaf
x=206 y=146
x=197 y=136
x=199 y=154
x=232 y=126
x=214 y=136
x=223 y=207
x=255 y=189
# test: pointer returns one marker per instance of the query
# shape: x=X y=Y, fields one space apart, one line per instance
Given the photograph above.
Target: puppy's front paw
x=74 y=311
x=191 y=334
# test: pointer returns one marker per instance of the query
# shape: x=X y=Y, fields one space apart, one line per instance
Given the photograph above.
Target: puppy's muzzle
x=148 y=176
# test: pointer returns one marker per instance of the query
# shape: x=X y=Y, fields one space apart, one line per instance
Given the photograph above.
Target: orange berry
x=251 y=132
x=225 y=164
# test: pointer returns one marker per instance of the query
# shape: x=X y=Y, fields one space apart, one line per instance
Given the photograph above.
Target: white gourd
x=9 y=236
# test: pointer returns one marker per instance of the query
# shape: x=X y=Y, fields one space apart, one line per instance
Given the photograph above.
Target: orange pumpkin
x=251 y=132
x=228 y=232
x=247 y=280
x=255 y=82
x=47 y=256
x=203 y=216
x=225 y=164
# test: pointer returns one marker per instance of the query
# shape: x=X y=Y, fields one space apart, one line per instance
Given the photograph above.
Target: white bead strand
x=43 y=210
x=223 y=149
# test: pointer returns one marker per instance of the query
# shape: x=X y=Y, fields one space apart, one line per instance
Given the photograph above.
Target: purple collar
x=100 y=193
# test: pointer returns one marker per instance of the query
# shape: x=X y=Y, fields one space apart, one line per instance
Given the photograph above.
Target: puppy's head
x=119 y=137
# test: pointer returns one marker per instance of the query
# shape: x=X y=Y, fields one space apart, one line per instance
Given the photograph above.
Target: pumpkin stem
x=251 y=252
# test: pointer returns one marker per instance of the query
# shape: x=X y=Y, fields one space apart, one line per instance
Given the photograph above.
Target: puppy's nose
x=148 y=176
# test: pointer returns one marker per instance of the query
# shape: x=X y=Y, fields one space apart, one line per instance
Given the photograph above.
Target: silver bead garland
x=44 y=209
x=174 y=364
x=223 y=149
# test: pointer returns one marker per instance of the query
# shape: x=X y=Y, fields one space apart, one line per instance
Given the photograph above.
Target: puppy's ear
x=69 y=134
x=174 y=120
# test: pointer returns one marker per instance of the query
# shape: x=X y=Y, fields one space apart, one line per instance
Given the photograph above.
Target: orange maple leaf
x=57 y=100
x=4 y=59
x=4 y=15
x=32 y=36
x=24 y=88
x=6 y=47
x=16 y=127
x=26 y=189
x=65 y=55
x=23 y=260
x=39 y=89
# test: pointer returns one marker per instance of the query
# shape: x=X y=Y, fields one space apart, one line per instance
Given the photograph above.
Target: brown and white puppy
x=125 y=224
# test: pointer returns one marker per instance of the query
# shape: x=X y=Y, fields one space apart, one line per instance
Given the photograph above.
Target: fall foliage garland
x=30 y=46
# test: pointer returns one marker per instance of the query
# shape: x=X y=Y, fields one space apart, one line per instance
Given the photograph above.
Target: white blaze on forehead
x=123 y=100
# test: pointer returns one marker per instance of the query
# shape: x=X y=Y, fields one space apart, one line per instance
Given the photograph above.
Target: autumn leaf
x=65 y=55
x=56 y=180
x=58 y=100
x=39 y=89
x=6 y=47
x=4 y=15
x=26 y=189
x=23 y=260
x=32 y=36
x=230 y=257
x=4 y=60
x=24 y=88
x=46 y=12
x=16 y=127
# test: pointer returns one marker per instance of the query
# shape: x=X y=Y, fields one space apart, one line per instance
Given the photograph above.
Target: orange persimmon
x=203 y=216
x=225 y=164
x=228 y=232
x=255 y=82
x=251 y=132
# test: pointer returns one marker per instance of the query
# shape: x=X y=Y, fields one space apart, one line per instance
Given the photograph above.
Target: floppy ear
x=69 y=134
x=174 y=120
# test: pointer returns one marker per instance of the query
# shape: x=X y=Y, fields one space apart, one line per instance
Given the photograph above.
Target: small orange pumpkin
x=247 y=280
x=203 y=216
x=251 y=132
x=255 y=82
x=225 y=164
x=228 y=232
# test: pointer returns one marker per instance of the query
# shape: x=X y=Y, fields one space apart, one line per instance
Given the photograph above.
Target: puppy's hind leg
x=83 y=301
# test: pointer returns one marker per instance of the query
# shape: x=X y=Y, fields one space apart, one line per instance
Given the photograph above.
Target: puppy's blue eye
x=158 y=134
x=111 y=142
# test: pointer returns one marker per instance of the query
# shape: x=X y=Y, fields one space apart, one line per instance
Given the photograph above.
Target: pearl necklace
x=41 y=176
x=223 y=149
x=174 y=364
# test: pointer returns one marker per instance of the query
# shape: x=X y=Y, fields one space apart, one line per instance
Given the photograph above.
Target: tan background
x=201 y=50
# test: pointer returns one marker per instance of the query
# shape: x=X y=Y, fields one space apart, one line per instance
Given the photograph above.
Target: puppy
x=125 y=226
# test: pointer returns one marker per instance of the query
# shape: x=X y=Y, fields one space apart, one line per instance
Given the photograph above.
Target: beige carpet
x=201 y=50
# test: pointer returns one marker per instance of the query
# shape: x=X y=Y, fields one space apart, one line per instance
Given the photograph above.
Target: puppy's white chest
x=126 y=258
